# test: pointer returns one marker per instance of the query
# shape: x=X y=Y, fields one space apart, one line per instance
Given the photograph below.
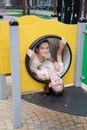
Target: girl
x=44 y=67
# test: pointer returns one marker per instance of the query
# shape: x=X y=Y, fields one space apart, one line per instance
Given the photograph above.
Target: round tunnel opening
x=67 y=55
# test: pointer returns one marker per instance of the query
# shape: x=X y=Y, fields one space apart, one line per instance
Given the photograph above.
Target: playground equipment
x=68 y=11
x=71 y=11
x=84 y=65
x=44 y=28
x=13 y=47
x=67 y=55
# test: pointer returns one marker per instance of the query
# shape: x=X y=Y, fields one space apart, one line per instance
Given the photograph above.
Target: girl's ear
x=50 y=85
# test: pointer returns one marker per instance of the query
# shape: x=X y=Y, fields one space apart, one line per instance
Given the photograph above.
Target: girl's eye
x=41 y=48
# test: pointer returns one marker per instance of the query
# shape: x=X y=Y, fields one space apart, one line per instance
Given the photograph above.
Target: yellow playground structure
x=32 y=30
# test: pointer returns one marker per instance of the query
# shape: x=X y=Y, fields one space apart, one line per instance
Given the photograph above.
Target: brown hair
x=50 y=91
x=41 y=43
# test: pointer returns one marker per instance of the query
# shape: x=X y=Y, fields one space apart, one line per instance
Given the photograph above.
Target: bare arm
x=59 y=64
x=35 y=70
x=31 y=54
x=62 y=44
x=38 y=73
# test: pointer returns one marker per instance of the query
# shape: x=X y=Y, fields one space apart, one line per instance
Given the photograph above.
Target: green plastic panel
x=84 y=66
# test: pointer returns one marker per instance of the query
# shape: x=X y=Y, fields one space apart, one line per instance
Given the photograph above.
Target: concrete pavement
x=37 y=118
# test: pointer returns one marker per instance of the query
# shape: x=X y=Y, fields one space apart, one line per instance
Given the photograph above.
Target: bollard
x=79 y=55
x=3 y=94
x=15 y=72
x=1 y=17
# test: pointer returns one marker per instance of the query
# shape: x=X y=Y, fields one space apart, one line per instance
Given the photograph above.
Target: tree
x=26 y=6
x=23 y=7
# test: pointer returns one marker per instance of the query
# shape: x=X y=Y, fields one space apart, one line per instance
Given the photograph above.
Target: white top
x=36 y=62
x=42 y=67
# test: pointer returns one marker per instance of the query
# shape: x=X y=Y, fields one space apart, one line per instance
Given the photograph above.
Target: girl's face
x=57 y=84
x=43 y=49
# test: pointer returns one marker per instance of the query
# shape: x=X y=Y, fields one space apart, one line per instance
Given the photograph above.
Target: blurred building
x=41 y=2
x=7 y=3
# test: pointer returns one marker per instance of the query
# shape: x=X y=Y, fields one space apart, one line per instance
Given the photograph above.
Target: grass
x=19 y=13
x=42 y=16
x=14 y=10
x=16 y=15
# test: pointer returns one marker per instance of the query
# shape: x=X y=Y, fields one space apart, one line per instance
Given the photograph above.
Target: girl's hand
x=30 y=53
x=42 y=76
x=62 y=43
x=56 y=66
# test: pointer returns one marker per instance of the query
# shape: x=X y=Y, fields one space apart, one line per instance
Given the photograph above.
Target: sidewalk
x=6 y=15
x=37 y=118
